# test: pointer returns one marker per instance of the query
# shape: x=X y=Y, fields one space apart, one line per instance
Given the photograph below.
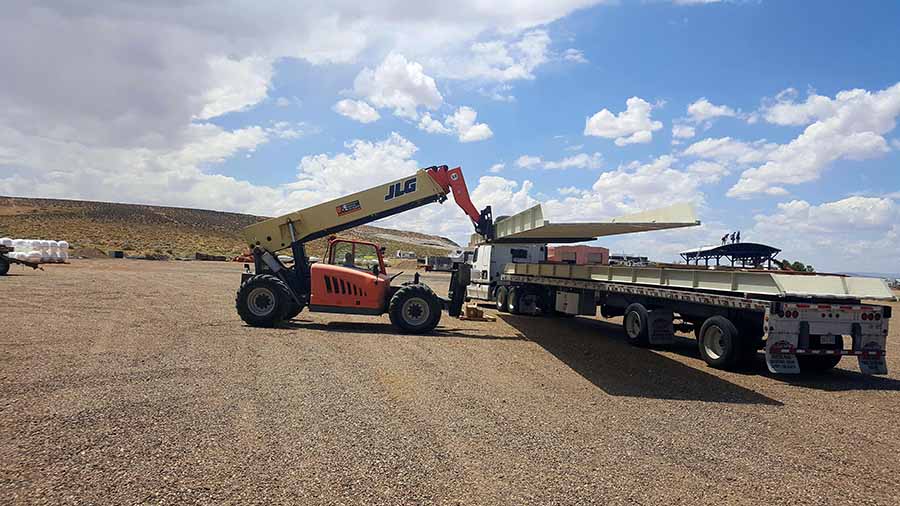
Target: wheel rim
x=501 y=299
x=261 y=301
x=416 y=311
x=715 y=343
x=633 y=324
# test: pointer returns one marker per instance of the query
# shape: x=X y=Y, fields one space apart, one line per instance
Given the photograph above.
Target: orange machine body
x=354 y=290
x=348 y=289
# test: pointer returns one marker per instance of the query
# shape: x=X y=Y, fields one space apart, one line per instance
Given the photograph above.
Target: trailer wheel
x=414 y=309
x=502 y=299
x=4 y=267
x=637 y=325
x=512 y=300
x=720 y=344
x=820 y=363
x=263 y=301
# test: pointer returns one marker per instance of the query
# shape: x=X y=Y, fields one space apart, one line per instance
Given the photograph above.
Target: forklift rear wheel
x=415 y=309
x=4 y=267
x=263 y=301
x=502 y=300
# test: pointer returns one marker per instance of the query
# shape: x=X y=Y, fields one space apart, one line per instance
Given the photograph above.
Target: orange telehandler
x=351 y=278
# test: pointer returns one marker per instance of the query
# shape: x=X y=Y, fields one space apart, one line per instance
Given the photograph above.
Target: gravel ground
x=125 y=382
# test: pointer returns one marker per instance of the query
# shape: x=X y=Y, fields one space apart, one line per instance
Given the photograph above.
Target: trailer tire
x=720 y=343
x=636 y=325
x=4 y=267
x=263 y=301
x=414 y=309
x=512 y=300
x=502 y=299
x=820 y=363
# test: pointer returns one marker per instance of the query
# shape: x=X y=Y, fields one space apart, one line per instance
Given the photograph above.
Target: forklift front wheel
x=415 y=309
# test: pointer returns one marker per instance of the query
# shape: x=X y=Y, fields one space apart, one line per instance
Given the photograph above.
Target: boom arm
x=423 y=187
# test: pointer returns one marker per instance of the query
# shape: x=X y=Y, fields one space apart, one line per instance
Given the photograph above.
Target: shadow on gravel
x=835 y=380
x=838 y=380
x=597 y=351
x=372 y=328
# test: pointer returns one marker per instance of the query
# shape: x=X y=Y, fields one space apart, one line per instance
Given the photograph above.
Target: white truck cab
x=489 y=259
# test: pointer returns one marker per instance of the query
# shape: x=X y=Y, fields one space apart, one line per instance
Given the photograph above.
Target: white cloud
x=497 y=168
x=398 y=84
x=498 y=60
x=241 y=84
x=895 y=143
x=462 y=123
x=695 y=2
x=356 y=110
x=850 y=126
x=632 y=126
x=574 y=55
x=728 y=150
x=704 y=110
x=579 y=161
x=852 y=234
x=680 y=131
x=528 y=161
x=288 y=130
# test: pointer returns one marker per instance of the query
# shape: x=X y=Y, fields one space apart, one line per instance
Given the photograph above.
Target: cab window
x=356 y=256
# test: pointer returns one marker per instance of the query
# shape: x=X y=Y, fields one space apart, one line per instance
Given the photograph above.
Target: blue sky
x=235 y=108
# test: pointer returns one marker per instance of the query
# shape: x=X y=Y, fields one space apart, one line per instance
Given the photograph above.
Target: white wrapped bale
x=63 y=251
x=6 y=241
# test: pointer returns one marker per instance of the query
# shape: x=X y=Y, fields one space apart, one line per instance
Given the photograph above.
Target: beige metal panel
x=274 y=234
x=874 y=286
x=529 y=225
x=528 y=219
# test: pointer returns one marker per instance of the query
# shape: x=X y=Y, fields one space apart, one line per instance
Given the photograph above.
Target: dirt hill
x=98 y=227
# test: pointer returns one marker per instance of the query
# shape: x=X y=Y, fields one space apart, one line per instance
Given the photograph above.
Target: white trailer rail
x=800 y=320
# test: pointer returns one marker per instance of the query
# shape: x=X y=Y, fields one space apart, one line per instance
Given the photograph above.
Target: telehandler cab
x=351 y=278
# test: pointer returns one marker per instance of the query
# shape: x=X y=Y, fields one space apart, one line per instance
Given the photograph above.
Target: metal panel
x=530 y=225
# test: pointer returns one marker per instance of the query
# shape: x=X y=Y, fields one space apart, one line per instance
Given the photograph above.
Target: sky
x=775 y=118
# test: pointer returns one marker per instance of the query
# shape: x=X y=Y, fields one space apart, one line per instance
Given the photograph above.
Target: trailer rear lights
x=877 y=316
x=865 y=316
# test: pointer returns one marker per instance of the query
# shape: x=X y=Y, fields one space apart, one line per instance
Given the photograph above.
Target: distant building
x=578 y=255
x=629 y=260
x=406 y=254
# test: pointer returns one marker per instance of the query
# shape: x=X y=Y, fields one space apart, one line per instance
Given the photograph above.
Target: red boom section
x=452 y=181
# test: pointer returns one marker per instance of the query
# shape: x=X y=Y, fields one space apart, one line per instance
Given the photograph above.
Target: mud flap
x=874 y=363
x=661 y=330
x=782 y=363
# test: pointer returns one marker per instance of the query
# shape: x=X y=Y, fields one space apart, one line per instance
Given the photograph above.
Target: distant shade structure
x=37 y=250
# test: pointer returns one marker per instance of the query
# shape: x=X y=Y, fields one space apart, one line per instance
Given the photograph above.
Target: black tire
x=819 y=363
x=720 y=343
x=263 y=301
x=636 y=324
x=415 y=309
x=4 y=267
x=512 y=300
x=501 y=297
x=293 y=310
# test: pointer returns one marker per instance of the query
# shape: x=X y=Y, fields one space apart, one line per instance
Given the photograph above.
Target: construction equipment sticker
x=349 y=207
x=401 y=188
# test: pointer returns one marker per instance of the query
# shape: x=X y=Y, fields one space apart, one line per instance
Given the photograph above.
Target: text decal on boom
x=401 y=188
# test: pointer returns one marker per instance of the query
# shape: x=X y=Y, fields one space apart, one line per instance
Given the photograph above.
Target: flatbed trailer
x=802 y=321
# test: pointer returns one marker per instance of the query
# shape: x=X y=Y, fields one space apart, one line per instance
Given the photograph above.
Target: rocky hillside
x=93 y=228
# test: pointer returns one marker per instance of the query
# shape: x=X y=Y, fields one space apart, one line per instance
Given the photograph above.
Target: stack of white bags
x=37 y=250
